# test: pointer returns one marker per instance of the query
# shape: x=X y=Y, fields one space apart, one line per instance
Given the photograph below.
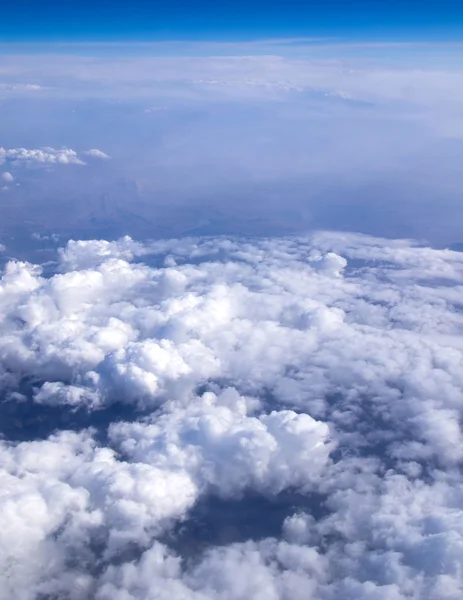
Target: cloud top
x=95 y=153
x=7 y=177
x=45 y=156
x=320 y=376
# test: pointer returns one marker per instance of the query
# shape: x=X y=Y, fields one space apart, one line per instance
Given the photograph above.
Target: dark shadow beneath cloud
x=25 y=421
x=216 y=521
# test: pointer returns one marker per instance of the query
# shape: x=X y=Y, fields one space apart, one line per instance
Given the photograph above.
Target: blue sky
x=114 y=20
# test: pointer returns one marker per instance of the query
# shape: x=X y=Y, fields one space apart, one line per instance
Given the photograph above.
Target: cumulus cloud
x=45 y=156
x=322 y=374
x=8 y=177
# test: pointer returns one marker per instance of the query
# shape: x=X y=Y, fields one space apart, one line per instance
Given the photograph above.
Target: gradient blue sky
x=113 y=20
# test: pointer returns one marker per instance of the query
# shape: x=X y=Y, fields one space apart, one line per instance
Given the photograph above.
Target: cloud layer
x=323 y=373
x=269 y=137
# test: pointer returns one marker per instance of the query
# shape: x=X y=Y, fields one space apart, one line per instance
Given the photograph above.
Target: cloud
x=95 y=153
x=353 y=72
x=54 y=237
x=8 y=177
x=226 y=417
x=301 y=124
x=18 y=88
x=250 y=570
x=44 y=156
x=318 y=375
x=224 y=449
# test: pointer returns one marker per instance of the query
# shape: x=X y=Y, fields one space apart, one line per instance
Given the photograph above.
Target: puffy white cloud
x=215 y=441
x=327 y=367
x=256 y=571
x=61 y=494
x=8 y=177
x=44 y=156
x=82 y=254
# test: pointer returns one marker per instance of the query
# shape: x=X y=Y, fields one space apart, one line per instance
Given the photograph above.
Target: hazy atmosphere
x=231 y=315
x=156 y=146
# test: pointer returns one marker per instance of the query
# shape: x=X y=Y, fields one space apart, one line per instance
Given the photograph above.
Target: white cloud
x=8 y=177
x=95 y=153
x=19 y=86
x=267 y=570
x=325 y=367
x=60 y=494
x=45 y=156
x=83 y=254
x=54 y=237
x=325 y=70
x=215 y=441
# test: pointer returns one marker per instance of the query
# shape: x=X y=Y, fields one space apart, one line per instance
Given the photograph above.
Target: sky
x=145 y=20
x=231 y=322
